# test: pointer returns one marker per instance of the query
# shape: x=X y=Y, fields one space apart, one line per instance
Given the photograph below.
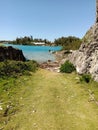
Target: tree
x=68 y=43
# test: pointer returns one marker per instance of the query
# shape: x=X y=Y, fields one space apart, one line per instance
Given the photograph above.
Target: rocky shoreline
x=51 y=66
x=60 y=56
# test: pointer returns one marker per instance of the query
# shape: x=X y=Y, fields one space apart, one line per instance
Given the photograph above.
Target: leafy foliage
x=67 y=67
x=86 y=78
x=29 y=41
x=15 y=68
x=68 y=43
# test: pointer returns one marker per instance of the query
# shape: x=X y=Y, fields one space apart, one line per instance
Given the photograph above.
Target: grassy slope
x=48 y=101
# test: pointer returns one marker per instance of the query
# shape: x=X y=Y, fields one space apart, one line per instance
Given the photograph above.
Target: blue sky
x=48 y=19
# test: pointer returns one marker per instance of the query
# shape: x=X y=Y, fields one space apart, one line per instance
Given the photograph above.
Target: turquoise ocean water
x=38 y=53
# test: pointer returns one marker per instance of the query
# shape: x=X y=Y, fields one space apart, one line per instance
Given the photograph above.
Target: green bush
x=86 y=78
x=67 y=67
x=15 y=68
x=68 y=43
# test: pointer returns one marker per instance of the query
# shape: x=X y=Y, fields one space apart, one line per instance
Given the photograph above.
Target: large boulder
x=10 y=53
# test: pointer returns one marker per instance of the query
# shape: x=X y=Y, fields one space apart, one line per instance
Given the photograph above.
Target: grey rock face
x=90 y=35
x=86 y=58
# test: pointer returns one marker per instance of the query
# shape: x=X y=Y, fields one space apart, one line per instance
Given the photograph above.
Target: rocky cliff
x=89 y=36
x=10 y=53
x=86 y=58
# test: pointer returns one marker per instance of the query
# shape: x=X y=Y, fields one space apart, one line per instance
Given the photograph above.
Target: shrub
x=67 y=67
x=86 y=78
x=15 y=68
x=68 y=43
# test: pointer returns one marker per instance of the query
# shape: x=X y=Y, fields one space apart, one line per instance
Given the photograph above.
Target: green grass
x=48 y=101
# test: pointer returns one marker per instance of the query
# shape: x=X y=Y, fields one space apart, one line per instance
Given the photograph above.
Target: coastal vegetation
x=86 y=78
x=48 y=100
x=26 y=40
x=68 y=43
x=11 y=68
x=67 y=67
